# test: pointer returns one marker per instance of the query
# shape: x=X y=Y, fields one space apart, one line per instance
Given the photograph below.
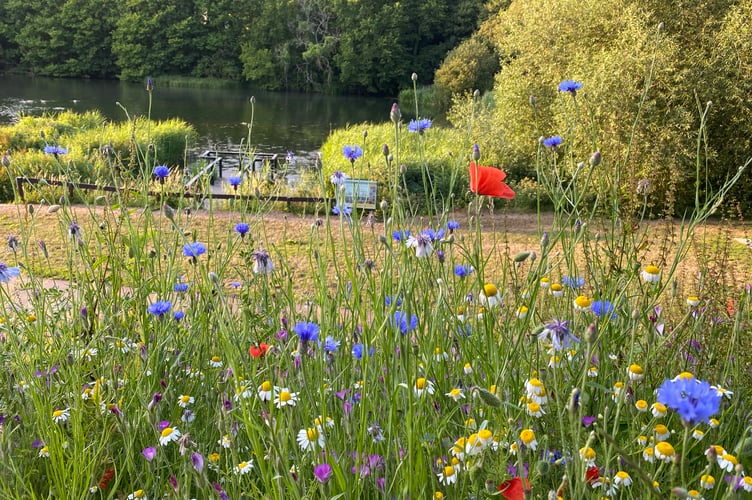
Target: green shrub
x=469 y=66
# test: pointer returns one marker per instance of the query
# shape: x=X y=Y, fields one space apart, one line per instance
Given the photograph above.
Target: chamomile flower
x=635 y=372
x=44 y=452
x=447 y=475
x=694 y=495
x=60 y=416
x=244 y=392
x=439 y=354
x=556 y=290
x=168 y=435
x=89 y=354
x=184 y=400
x=308 y=438
x=490 y=296
x=474 y=445
x=244 y=467
x=658 y=410
x=534 y=409
x=622 y=478
x=215 y=362
x=617 y=390
x=693 y=301
x=456 y=394
x=707 y=481
x=648 y=454
x=321 y=422
x=582 y=303
x=746 y=483
x=664 y=451
x=651 y=274
x=137 y=495
x=285 y=398
x=458 y=448
x=468 y=369
x=723 y=392
x=522 y=312
x=265 y=391
x=642 y=440
x=527 y=437
x=545 y=282
x=641 y=405
x=698 y=434
x=587 y=455
x=661 y=432
x=225 y=441
x=714 y=423
x=727 y=462
x=592 y=371
x=422 y=385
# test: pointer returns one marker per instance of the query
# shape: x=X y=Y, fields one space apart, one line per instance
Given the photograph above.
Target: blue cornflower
x=194 y=249
x=462 y=270
x=331 y=345
x=346 y=211
x=55 y=150
x=552 y=142
x=419 y=126
x=570 y=86
x=433 y=235
x=352 y=153
x=573 y=283
x=180 y=287
x=307 y=332
x=560 y=334
x=6 y=273
x=235 y=181
x=401 y=321
x=160 y=308
x=603 y=308
x=401 y=235
x=290 y=157
x=338 y=178
x=694 y=400
x=452 y=225
x=161 y=171
x=178 y=315
x=242 y=228
x=358 y=351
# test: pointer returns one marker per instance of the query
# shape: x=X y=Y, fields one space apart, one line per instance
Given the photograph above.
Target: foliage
x=616 y=49
x=98 y=151
x=468 y=67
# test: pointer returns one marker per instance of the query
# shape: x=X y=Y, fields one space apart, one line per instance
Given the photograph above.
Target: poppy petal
x=513 y=489
x=488 y=181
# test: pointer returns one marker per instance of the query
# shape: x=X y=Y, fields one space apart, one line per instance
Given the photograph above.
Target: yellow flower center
x=685 y=376
x=139 y=494
x=242 y=465
x=420 y=383
x=57 y=413
x=166 y=432
x=641 y=404
x=652 y=270
x=448 y=471
x=583 y=301
x=437 y=350
x=556 y=287
x=214 y=457
x=664 y=448
x=266 y=386
x=661 y=429
x=659 y=407
x=709 y=479
x=622 y=475
x=285 y=396
x=312 y=433
x=216 y=359
x=490 y=290
x=527 y=436
x=455 y=392
x=635 y=369
x=587 y=453
x=619 y=385
x=533 y=407
x=185 y=399
x=485 y=434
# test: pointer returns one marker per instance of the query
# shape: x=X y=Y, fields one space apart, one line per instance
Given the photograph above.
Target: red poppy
x=592 y=475
x=730 y=306
x=513 y=489
x=260 y=351
x=489 y=181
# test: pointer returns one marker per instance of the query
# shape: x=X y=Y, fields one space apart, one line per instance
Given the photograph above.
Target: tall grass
x=355 y=366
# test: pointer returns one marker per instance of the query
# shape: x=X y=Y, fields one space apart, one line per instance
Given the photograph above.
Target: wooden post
x=20 y=188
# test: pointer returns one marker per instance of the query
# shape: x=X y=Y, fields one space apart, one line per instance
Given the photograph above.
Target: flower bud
x=149 y=85
x=169 y=212
x=488 y=397
x=544 y=240
x=385 y=150
x=476 y=93
x=476 y=152
x=532 y=100
x=595 y=159
x=591 y=334
x=253 y=99
x=521 y=257
x=414 y=77
x=384 y=205
x=395 y=114
x=543 y=467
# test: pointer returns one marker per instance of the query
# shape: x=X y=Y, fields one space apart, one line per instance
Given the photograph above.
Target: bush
x=469 y=66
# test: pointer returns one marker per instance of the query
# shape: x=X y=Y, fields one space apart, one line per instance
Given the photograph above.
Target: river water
x=282 y=122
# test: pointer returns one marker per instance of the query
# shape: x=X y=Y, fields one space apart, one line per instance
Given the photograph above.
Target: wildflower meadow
x=150 y=350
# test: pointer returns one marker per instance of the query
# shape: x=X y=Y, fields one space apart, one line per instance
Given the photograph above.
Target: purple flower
x=178 y=315
x=322 y=472
x=331 y=345
x=55 y=150
x=352 y=153
x=198 y=462
x=552 y=142
x=401 y=319
x=419 y=126
x=235 y=181
x=401 y=235
x=307 y=332
x=433 y=235
x=559 y=333
x=573 y=283
x=345 y=211
x=357 y=351
x=587 y=421
x=180 y=287
x=149 y=453
x=694 y=400
x=194 y=249
x=160 y=308
x=242 y=229
x=338 y=178
x=155 y=399
x=218 y=488
x=452 y=225
x=570 y=86
x=163 y=424
x=161 y=171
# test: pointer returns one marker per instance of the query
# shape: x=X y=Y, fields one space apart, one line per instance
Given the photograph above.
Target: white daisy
x=168 y=435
